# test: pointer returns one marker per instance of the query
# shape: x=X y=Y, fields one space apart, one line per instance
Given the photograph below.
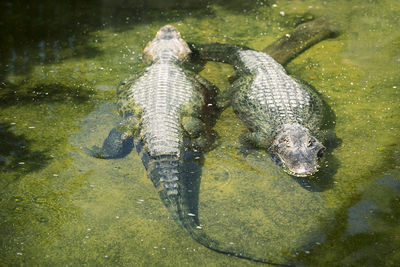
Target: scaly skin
x=167 y=111
x=283 y=115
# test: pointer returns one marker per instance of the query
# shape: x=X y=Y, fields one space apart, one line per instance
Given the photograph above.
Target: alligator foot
x=117 y=145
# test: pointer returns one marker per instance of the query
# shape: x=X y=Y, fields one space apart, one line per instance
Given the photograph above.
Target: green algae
x=63 y=207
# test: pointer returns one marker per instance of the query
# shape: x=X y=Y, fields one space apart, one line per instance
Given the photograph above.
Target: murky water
x=60 y=64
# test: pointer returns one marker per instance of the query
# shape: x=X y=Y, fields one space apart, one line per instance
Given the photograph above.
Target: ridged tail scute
x=166 y=173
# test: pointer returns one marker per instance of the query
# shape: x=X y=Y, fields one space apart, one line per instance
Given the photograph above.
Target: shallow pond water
x=60 y=65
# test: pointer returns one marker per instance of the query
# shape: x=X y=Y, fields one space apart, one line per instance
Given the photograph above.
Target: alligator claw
x=95 y=152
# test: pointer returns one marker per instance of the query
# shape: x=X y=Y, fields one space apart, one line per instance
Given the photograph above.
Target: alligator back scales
x=161 y=92
x=275 y=97
x=264 y=96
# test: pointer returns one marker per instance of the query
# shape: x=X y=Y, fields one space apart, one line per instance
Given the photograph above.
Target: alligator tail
x=217 y=52
x=165 y=172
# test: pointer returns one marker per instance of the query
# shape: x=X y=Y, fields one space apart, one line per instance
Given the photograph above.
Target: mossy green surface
x=60 y=207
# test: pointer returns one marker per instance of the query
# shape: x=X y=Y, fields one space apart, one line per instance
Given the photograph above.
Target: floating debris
x=18 y=198
x=43 y=219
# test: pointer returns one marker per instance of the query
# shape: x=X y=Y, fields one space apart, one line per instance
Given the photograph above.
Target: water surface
x=60 y=65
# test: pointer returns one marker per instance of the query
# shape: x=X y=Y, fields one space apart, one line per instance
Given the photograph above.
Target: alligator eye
x=311 y=142
x=287 y=142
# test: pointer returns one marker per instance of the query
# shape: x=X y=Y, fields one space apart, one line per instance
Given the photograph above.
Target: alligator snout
x=167 y=45
x=300 y=162
x=297 y=151
x=167 y=32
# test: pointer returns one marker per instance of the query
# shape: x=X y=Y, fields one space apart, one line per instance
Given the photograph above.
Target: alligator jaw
x=299 y=171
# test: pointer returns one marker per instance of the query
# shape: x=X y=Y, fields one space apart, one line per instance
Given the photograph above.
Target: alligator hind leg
x=119 y=142
x=193 y=126
x=201 y=138
x=117 y=145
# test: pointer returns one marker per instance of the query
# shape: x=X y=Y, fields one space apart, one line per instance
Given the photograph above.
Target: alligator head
x=296 y=150
x=167 y=43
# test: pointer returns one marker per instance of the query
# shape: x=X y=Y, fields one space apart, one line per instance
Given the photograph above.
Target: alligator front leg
x=329 y=138
x=210 y=89
x=215 y=97
x=254 y=139
x=119 y=142
x=224 y=99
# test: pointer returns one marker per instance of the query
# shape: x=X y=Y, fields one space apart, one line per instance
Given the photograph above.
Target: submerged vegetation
x=60 y=65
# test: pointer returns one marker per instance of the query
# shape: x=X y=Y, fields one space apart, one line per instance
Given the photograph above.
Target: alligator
x=284 y=115
x=166 y=114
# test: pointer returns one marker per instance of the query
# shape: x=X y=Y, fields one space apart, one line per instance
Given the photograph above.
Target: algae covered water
x=60 y=65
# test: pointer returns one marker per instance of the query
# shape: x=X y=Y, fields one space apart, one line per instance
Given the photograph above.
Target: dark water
x=59 y=66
